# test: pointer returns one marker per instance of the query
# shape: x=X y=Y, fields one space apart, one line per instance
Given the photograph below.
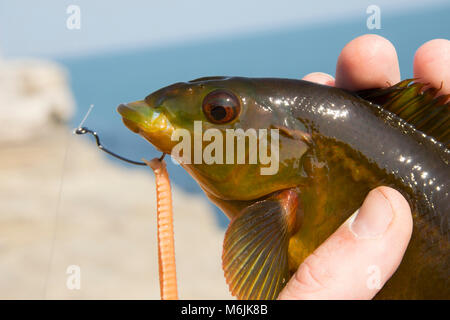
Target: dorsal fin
x=208 y=78
x=420 y=108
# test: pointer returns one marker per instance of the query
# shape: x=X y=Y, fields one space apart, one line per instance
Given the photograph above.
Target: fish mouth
x=127 y=115
x=149 y=122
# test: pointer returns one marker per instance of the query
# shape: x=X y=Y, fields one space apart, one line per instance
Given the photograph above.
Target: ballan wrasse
x=334 y=147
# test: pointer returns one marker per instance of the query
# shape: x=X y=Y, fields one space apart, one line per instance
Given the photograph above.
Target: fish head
x=225 y=132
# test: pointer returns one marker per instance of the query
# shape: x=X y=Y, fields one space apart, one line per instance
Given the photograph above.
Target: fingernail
x=374 y=216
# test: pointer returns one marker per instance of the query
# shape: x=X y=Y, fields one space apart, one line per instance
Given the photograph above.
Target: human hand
x=378 y=234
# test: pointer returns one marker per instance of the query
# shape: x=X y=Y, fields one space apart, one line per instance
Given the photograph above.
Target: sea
x=105 y=80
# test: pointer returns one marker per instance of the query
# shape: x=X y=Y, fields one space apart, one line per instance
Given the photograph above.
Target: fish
x=332 y=146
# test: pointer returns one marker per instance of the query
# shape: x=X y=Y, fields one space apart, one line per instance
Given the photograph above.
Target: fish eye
x=221 y=106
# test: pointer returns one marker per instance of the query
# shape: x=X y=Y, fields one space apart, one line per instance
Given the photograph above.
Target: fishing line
x=58 y=204
x=86 y=115
x=57 y=217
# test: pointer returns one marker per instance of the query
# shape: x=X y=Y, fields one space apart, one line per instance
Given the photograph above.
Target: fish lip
x=122 y=109
x=126 y=111
x=127 y=114
x=149 y=122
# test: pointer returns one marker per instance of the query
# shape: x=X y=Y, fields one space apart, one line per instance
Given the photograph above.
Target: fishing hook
x=84 y=130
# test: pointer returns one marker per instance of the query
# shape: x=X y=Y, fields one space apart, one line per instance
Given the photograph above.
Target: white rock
x=33 y=95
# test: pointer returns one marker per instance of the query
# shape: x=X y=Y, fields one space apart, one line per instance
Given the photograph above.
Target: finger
x=369 y=61
x=358 y=259
x=432 y=64
x=320 y=77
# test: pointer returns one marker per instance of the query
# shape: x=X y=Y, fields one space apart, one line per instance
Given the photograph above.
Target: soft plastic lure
x=334 y=147
x=166 y=242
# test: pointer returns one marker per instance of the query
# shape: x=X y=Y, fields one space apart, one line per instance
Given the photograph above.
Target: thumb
x=358 y=259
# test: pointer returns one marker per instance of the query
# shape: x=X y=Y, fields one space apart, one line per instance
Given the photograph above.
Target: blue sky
x=38 y=28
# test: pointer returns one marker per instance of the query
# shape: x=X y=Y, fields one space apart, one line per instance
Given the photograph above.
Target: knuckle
x=311 y=275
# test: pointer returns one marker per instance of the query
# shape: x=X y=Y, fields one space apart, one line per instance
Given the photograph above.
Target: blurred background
x=66 y=206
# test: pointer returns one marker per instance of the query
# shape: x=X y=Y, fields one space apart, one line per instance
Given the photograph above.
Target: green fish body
x=333 y=147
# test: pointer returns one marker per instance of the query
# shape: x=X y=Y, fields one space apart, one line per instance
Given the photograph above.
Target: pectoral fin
x=255 y=250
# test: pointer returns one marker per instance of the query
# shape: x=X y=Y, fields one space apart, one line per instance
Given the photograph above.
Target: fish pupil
x=218 y=113
x=221 y=106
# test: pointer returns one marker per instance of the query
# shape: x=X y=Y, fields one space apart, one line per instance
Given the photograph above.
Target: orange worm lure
x=166 y=245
